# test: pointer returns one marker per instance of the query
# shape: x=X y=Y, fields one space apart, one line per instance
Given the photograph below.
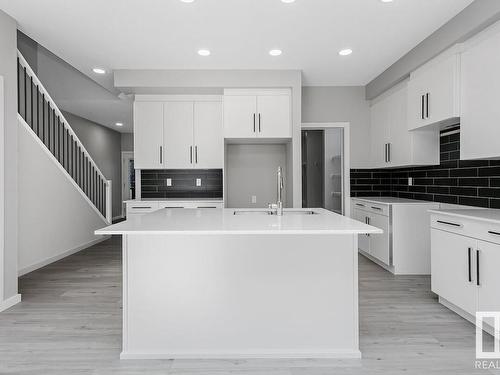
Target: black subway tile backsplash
x=154 y=183
x=467 y=182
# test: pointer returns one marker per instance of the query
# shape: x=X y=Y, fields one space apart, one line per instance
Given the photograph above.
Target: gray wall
x=251 y=170
x=29 y=49
x=9 y=159
x=474 y=18
x=338 y=104
x=104 y=145
x=127 y=142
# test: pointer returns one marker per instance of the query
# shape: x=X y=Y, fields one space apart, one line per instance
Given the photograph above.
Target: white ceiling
x=166 y=34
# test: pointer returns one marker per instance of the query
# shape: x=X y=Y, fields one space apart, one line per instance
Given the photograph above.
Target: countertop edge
x=239 y=232
x=465 y=216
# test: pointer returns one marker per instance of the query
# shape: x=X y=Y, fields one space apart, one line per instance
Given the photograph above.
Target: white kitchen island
x=209 y=283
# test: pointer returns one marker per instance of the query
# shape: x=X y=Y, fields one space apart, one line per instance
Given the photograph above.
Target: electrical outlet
x=169 y=182
x=198 y=182
x=254 y=199
x=410 y=181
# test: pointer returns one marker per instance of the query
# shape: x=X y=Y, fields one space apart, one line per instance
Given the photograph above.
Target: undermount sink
x=270 y=212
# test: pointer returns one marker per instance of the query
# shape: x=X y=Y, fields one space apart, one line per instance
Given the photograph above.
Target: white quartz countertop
x=224 y=221
x=489 y=215
x=174 y=200
x=391 y=200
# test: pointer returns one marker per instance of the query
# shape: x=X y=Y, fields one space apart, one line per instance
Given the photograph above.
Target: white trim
x=2 y=189
x=178 y=98
x=126 y=155
x=56 y=162
x=259 y=92
x=346 y=148
x=9 y=302
x=55 y=258
x=42 y=89
x=331 y=354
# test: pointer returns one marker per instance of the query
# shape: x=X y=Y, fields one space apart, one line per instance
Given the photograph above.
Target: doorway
x=324 y=167
x=128 y=178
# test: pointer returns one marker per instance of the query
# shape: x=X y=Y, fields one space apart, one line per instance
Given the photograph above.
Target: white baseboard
x=9 y=302
x=55 y=258
x=266 y=354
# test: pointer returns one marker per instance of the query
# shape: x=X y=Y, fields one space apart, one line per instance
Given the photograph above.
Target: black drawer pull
x=170 y=207
x=135 y=208
x=376 y=208
x=469 y=256
x=360 y=205
x=206 y=207
x=448 y=223
x=478 y=283
x=495 y=233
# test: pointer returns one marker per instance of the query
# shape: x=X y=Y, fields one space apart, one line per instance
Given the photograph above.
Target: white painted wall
x=341 y=104
x=54 y=218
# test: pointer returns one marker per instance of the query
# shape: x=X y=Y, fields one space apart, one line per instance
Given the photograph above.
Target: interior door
x=208 y=137
x=178 y=138
x=489 y=276
x=148 y=135
x=450 y=269
x=379 y=243
x=240 y=116
x=273 y=116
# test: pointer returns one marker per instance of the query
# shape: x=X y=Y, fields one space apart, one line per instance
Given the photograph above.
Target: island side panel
x=240 y=296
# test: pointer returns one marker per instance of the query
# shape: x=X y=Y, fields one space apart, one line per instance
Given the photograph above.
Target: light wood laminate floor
x=69 y=322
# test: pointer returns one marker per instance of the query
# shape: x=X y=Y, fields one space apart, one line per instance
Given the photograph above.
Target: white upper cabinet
x=257 y=114
x=178 y=132
x=148 y=135
x=434 y=92
x=208 y=138
x=392 y=144
x=480 y=97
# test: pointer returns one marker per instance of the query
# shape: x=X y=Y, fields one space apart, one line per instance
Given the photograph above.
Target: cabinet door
x=240 y=116
x=433 y=94
x=208 y=137
x=148 y=135
x=179 y=151
x=489 y=276
x=363 y=239
x=379 y=243
x=273 y=116
x=450 y=269
x=379 y=117
x=480 y=117
x=400 y=147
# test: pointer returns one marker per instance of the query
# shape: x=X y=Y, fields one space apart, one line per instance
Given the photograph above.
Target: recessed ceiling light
x=99 y=70
x=119 y=124
x=287 y=1
x=275 y=52
x=345 y=52
x=204 y=52
x=386 y=1
x=187 y=1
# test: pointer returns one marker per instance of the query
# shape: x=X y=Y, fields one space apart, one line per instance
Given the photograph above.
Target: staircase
x=37 y=111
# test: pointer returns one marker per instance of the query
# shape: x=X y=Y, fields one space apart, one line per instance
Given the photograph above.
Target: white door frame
x=347 y=152
x=126 y=155
x=2 y=189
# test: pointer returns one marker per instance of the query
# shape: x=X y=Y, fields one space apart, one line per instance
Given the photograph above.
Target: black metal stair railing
x=41 y=114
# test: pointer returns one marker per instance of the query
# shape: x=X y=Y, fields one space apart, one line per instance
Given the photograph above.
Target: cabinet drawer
x=141 y=207
x=467 y=227
x=191 y=204
x=377 y=208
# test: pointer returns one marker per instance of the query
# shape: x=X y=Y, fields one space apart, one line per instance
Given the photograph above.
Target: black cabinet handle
x=360 y=205
x=142 y=208
x=376 y=208
x=254 y=122
x=161 y=155
x=422 y=108
x=259 y=122
x=196 y=154
x=495 y=233
x=389 y=152
x=449 y=223
x=385 y=152
x=191 y=154
x=427 y=105
x=469 y=256
x=477 y=268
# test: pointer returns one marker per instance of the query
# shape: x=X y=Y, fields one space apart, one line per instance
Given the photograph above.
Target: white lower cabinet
x=465 y=266
x=404 y=246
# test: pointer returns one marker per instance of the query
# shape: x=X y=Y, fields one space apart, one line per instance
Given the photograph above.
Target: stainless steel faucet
x=278 y=206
